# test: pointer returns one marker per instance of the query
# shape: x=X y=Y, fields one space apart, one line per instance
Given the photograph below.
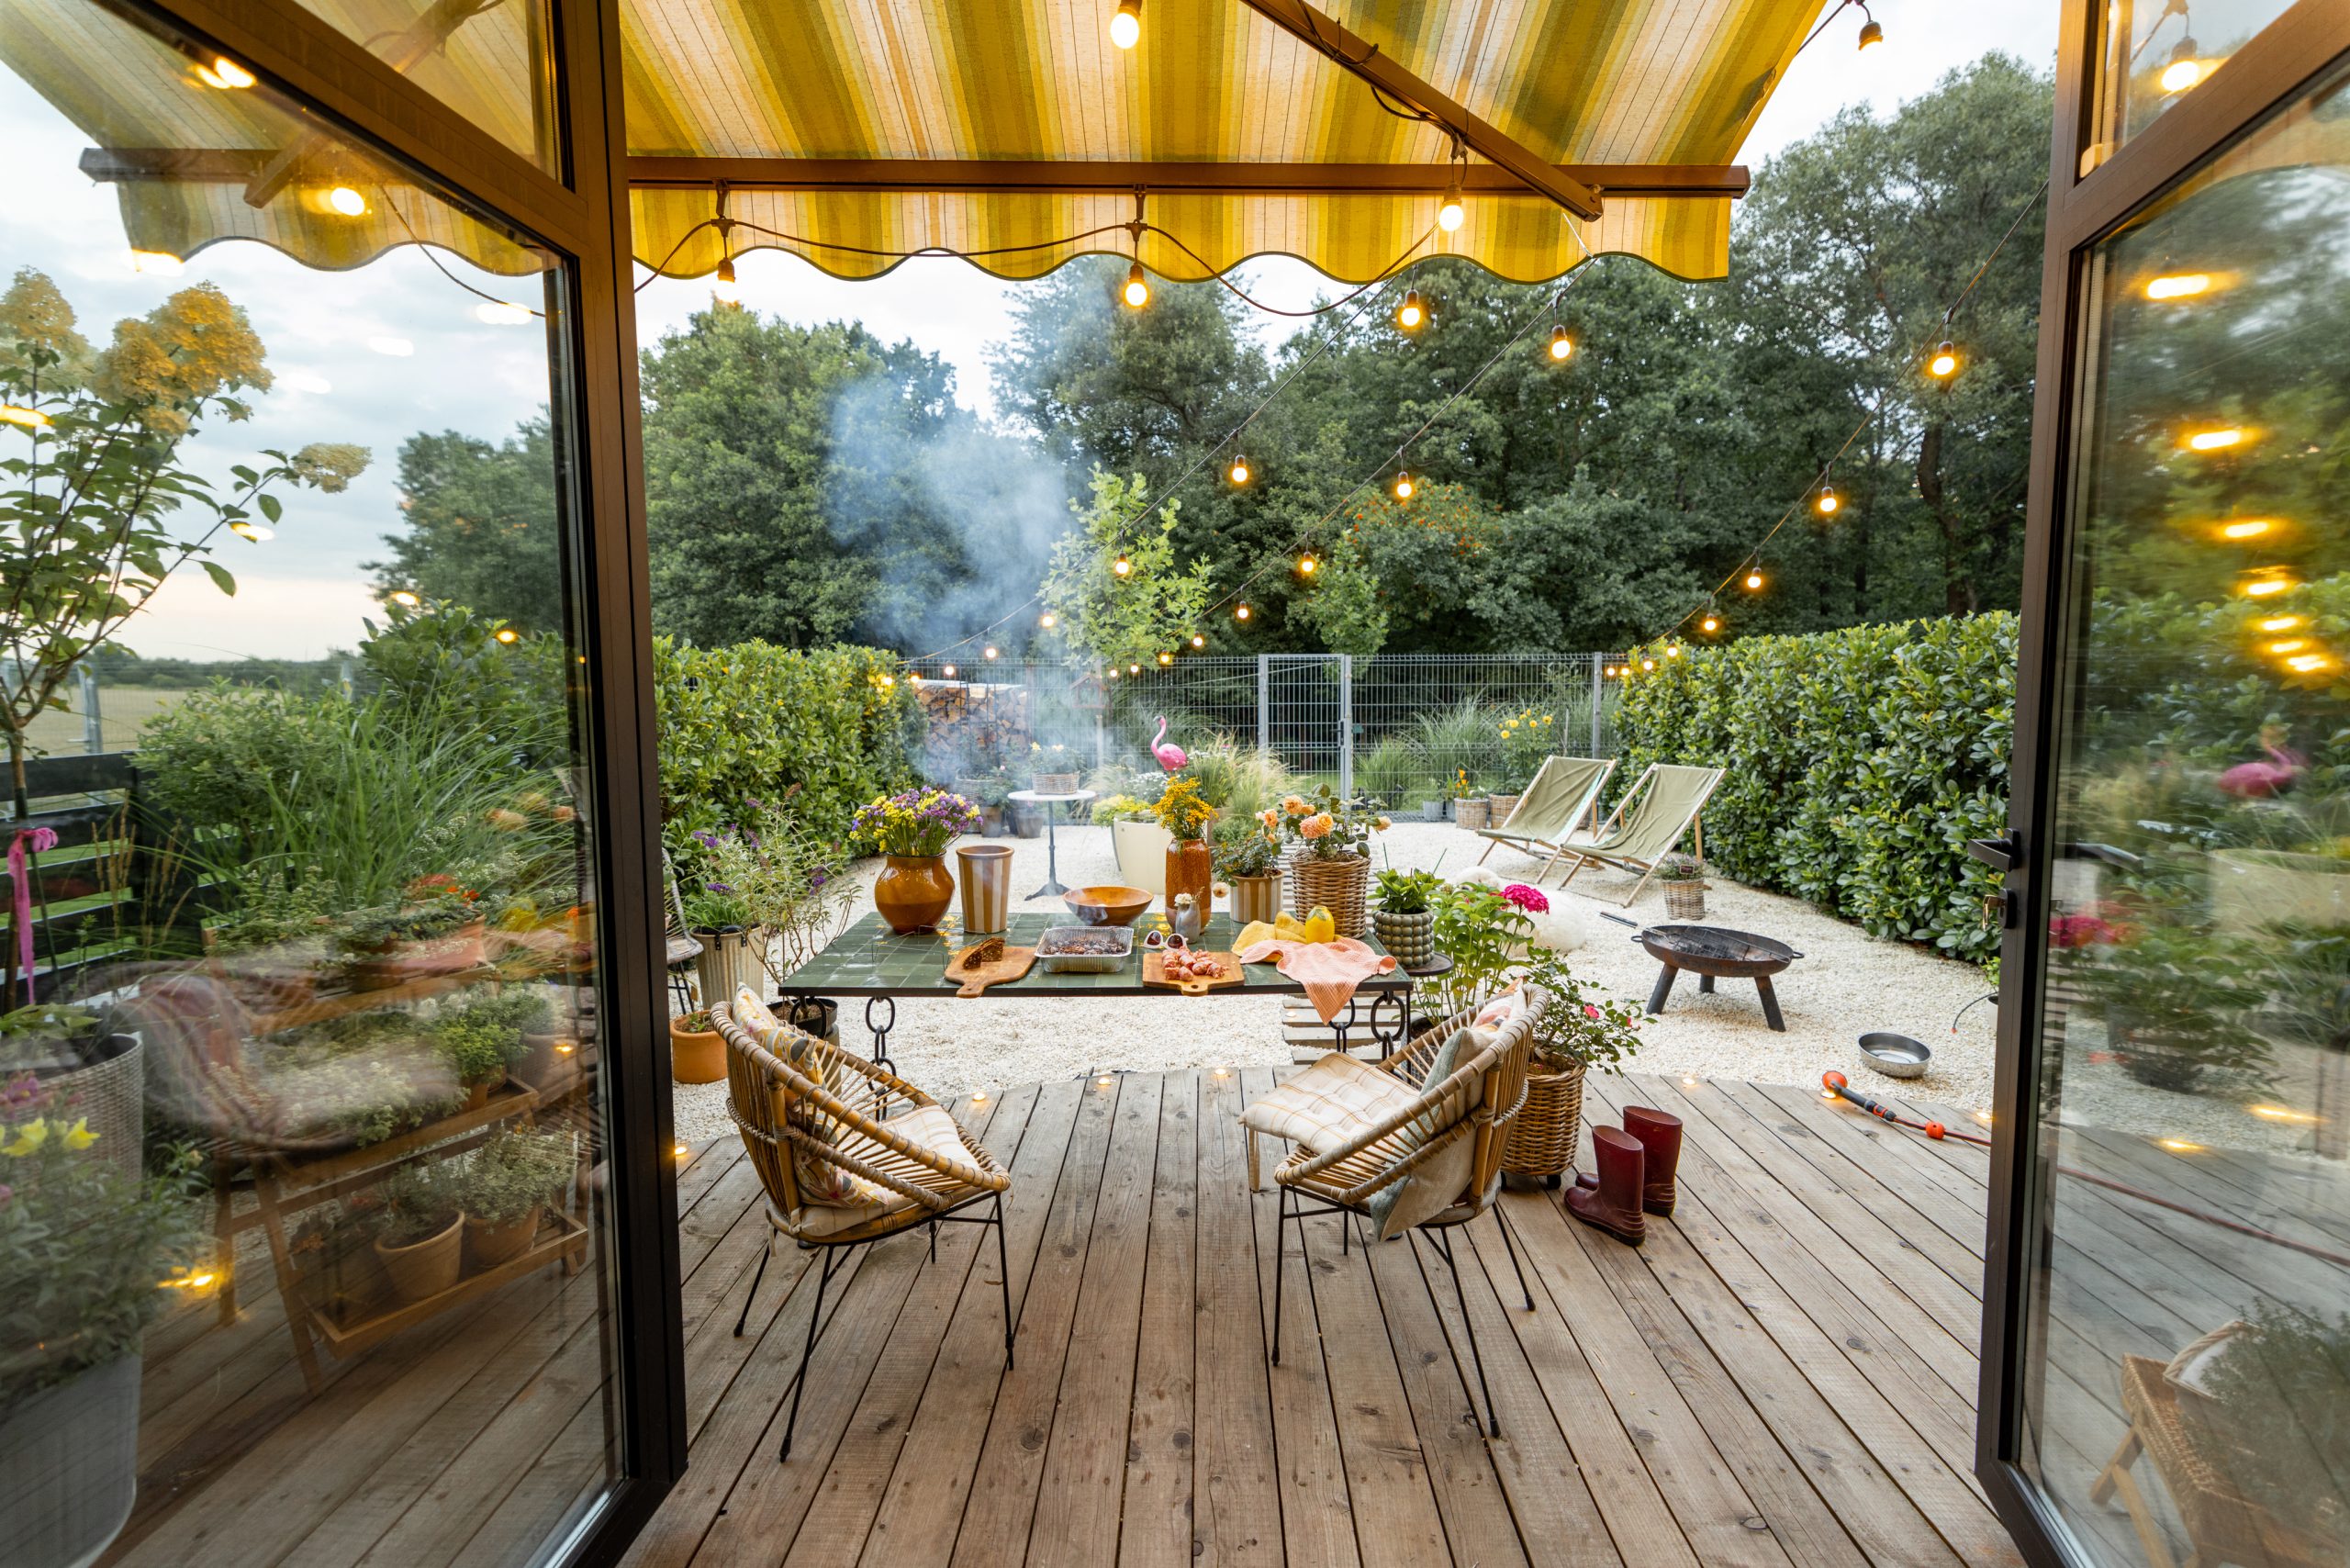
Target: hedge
x=746 y=722
x=1860 y=763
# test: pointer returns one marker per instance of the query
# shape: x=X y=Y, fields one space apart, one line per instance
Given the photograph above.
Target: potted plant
x=1328 y=855
x=1468 y=800
x=84 y=1242
x=1051 y=770
x=1404 y=916
x=333 y=1252
x=792 y=888
x=1482 y=932
x=1248 y=860
x=2280 y=1462
x=86 y=1064
x=1528 y=737
x=504 y=1187
x=1189 y=867
x=697 y=1050
x=1137 y=840
x=720 y=920
x=911 y=832
x=1575 y=1031
x=480 y=1043
x=1683 y=879
x=420 y=1243
x=433 y=931
x=2176 y=1004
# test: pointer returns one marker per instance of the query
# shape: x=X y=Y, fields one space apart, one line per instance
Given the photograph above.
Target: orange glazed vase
x=1190 y=870
x=914 y=891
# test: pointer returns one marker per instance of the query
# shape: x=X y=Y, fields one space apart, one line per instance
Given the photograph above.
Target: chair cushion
x=1435 y=1186
x=930 y=1127
x=1328 y=1102
x=819 y=1180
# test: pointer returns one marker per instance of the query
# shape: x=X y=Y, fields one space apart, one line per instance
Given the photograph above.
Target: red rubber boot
x=1612 y=1203
x=1660 y=1136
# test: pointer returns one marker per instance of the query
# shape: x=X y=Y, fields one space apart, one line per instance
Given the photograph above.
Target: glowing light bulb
x=507 y=635
x=1305 y=565
x=501 y=313
x=1240 y=612
x=2177 y=285
x=2279 y=1113
x=1827 y=503
x=1223 y=1072
x=253 y=530
x=681 y=1151
x=2288 y=645
x=1165 y=659
x=404 y=598
x=2266 y=582
x=1944 y=364
x=1872 y=34
x=1712 y=623
x=1449 y=217
x=1105 y=1081
x=17 y=414
x=1688 y=1083
x=2181 y=1146
x=2308 y=664
x=2281 y=623
x=1238 y=473
x=1198 y=641
x=1413 y=314
x=226 y=75
x=347 y=201
x=157 y=263
x=1136 y=293
x=1046 y=620
x=888 y=681
x=979 y=1097
x=987 y=652
x=2218 y=440
x=1113 y=672
x=1648 y=664
x=1672 y=650
x=2184 y=71
x=1133 y=669
x=723 y=288
x=1125 y=25
x=1753 y=580
x=946 y=672
x=1562 y=346
x=1403 y=487
x=1122 y=567
x=2246 y=528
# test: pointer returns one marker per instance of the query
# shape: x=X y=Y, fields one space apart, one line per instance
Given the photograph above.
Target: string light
x=1126 y=24
x=1165 y=659
x=2218 y=440
x=1133 y=669
x=1198 y=641
x=987 y=652
x=1754 y=580
x=1413 y=314
x=1944 y=364
x=1673 y=650
x=1048 y=621
x=2308 y=664
x=1827 y=503
x=2281 y=623
x=723 y=288
x=1562 y=346
x=1713 y=623
x=1136 y=293
x=404 y=598
x=1449 y=217
x=2246 y=528
x=225 y=73
x=252 y=531
x=1306 y=564
x=2177 y=285
x=1238 y=473
x=507 y=635
x=1648 y=664
x=1122 y=567
x=2184 y=69
x=946 y=672
x=1240 y=612
x=347 y=201
x=1872 y=31
x=2266 y=582
x=1403 y=487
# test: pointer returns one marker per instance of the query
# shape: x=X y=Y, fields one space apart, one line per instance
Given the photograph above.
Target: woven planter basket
x=1499 y=809
x=1056 y=783
x=1343 y=887
x=1468 y=814
x=1685 y=900
x=1542 y=1137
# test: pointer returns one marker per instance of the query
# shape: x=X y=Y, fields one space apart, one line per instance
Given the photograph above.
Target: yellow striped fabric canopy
x=1573 y=82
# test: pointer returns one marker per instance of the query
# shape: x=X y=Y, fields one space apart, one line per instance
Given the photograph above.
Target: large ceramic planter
x=730 y=960
x=1257 y=898
x=1141 y=848
x=488 y=1245
x=1411 y=938
x=424 y=1269
x=1190 y=869
x=69 y=1468
x=914 y=891
x=696 y=1055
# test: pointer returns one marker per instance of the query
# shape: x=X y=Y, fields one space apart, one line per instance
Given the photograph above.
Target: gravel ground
x=1847 y=982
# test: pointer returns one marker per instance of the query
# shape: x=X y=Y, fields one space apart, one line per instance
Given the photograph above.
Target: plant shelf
x=561 y=1238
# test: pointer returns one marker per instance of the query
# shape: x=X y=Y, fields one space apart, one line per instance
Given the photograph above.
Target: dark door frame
x=580 y=212
x=2083 y=208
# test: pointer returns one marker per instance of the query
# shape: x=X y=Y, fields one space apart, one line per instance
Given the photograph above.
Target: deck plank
x=1157 y=1527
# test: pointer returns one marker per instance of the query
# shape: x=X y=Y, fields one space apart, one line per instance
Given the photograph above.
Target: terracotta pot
x=477 y=1094
x=488 y=1245
x=1190 y=869
x=1257 y=898
x=428 y=1267
x=914 y=891
x=465 y=948
x=696 y=1056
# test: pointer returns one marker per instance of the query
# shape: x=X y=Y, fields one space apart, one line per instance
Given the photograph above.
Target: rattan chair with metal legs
x=823 y=1105
x=1477 y=1100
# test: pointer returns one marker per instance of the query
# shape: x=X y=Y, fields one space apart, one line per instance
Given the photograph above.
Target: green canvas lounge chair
x=1660 y=806
x=1565 y=793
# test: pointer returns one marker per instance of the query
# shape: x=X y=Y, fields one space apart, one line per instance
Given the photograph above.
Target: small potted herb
x=480 y=1045
x=1403 y=914
x=421 y=1240
x=504 y=1187
x=1683 y=879
x=697 y=1050
x=1248 y=860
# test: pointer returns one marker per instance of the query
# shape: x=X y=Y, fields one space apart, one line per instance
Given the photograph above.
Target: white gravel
x=1847 y=982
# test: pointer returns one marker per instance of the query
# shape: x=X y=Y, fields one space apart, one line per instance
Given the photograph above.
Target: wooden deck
x=1784 y=1374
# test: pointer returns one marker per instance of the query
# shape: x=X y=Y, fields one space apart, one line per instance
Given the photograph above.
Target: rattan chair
x=682 y=948
x=825 y=1105
x=1476 y=1101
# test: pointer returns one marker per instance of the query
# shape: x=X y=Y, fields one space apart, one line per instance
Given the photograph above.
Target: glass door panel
x=304 y=1255
x=2187 y=1353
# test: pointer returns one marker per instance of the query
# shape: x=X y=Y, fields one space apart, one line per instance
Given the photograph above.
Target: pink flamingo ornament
x=1170 y=756
x=2260 y=780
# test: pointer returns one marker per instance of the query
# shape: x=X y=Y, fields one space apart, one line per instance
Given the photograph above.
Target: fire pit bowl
x=1715 y=952
x=1896 y=1056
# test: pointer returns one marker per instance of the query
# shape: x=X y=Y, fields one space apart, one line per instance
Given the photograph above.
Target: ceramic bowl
x=1896 y=1056
x=1106 y=906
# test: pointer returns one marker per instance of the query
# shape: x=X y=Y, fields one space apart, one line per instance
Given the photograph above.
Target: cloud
x=270 y=616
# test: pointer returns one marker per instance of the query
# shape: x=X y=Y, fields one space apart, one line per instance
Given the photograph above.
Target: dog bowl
x=1107 y=906
x=1896 y=1056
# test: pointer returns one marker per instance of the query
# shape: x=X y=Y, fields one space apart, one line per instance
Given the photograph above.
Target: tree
x=482 y=526
x=1103 y=614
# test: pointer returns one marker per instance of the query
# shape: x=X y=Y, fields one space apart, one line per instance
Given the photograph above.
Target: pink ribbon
x=21 y=893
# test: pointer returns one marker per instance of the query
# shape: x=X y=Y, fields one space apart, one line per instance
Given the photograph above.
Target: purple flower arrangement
x=914 y=822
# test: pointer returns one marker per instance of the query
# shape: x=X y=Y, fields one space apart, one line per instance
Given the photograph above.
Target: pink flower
x=1317 y=825
x=1590 y=1012
x=1532 y=900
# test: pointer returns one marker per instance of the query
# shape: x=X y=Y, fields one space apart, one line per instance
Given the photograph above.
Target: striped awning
x=853 y=132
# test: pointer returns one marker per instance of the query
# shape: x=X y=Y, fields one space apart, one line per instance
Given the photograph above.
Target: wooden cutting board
x=970 y=982
x=1154 y=972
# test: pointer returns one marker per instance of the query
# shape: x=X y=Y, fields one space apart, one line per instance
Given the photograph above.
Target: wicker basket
x=1685 y=900
x=1469 y=812
x=1542 y=1136
x=1056 y=783
x=1343 y=887
x=2223 y=1525
x=1499 y=809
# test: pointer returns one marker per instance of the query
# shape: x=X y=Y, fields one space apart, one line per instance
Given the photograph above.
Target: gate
x=1304 y=707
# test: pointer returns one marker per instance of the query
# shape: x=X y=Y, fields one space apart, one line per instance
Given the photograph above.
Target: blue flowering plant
x=916 y=823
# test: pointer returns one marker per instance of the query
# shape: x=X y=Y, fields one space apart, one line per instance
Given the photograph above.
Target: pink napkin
x=1329 y=970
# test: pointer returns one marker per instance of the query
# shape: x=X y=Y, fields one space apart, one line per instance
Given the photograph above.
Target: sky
x=305 y=592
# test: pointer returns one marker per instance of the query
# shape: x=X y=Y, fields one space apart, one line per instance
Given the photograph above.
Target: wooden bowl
x=1106 y=906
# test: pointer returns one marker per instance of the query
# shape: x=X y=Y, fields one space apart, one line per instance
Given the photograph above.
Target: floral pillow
x=819 y=1180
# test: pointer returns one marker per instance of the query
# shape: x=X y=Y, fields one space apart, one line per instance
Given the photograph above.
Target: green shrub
x=745 y=723
x=211 y=759
x=1860 y=763
x=1391 y=771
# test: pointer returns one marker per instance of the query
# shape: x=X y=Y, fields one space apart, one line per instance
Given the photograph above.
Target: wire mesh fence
x=1400 y=728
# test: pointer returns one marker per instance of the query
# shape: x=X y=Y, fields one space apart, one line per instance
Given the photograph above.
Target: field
x=123 y=711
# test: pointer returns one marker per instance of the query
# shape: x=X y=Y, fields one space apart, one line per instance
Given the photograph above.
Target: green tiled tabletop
x=868 y=959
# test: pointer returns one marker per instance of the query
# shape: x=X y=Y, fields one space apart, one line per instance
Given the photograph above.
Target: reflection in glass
x=2158 y=51
x=300 y=1113
x=2189 y=1344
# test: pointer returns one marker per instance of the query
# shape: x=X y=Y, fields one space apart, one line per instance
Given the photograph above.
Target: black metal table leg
x=1706 y=984
x=1664 y=988
x=1770 y=1004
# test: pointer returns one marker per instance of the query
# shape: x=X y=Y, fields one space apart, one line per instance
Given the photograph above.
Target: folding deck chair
x=1565 y=790
x=1662 y=804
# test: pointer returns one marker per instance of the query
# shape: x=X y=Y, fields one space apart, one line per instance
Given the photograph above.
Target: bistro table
x=1052 y=888
x=869 y=960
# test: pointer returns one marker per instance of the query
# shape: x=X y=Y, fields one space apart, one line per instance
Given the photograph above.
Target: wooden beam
x=1033 y=175
x=1357 y=55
